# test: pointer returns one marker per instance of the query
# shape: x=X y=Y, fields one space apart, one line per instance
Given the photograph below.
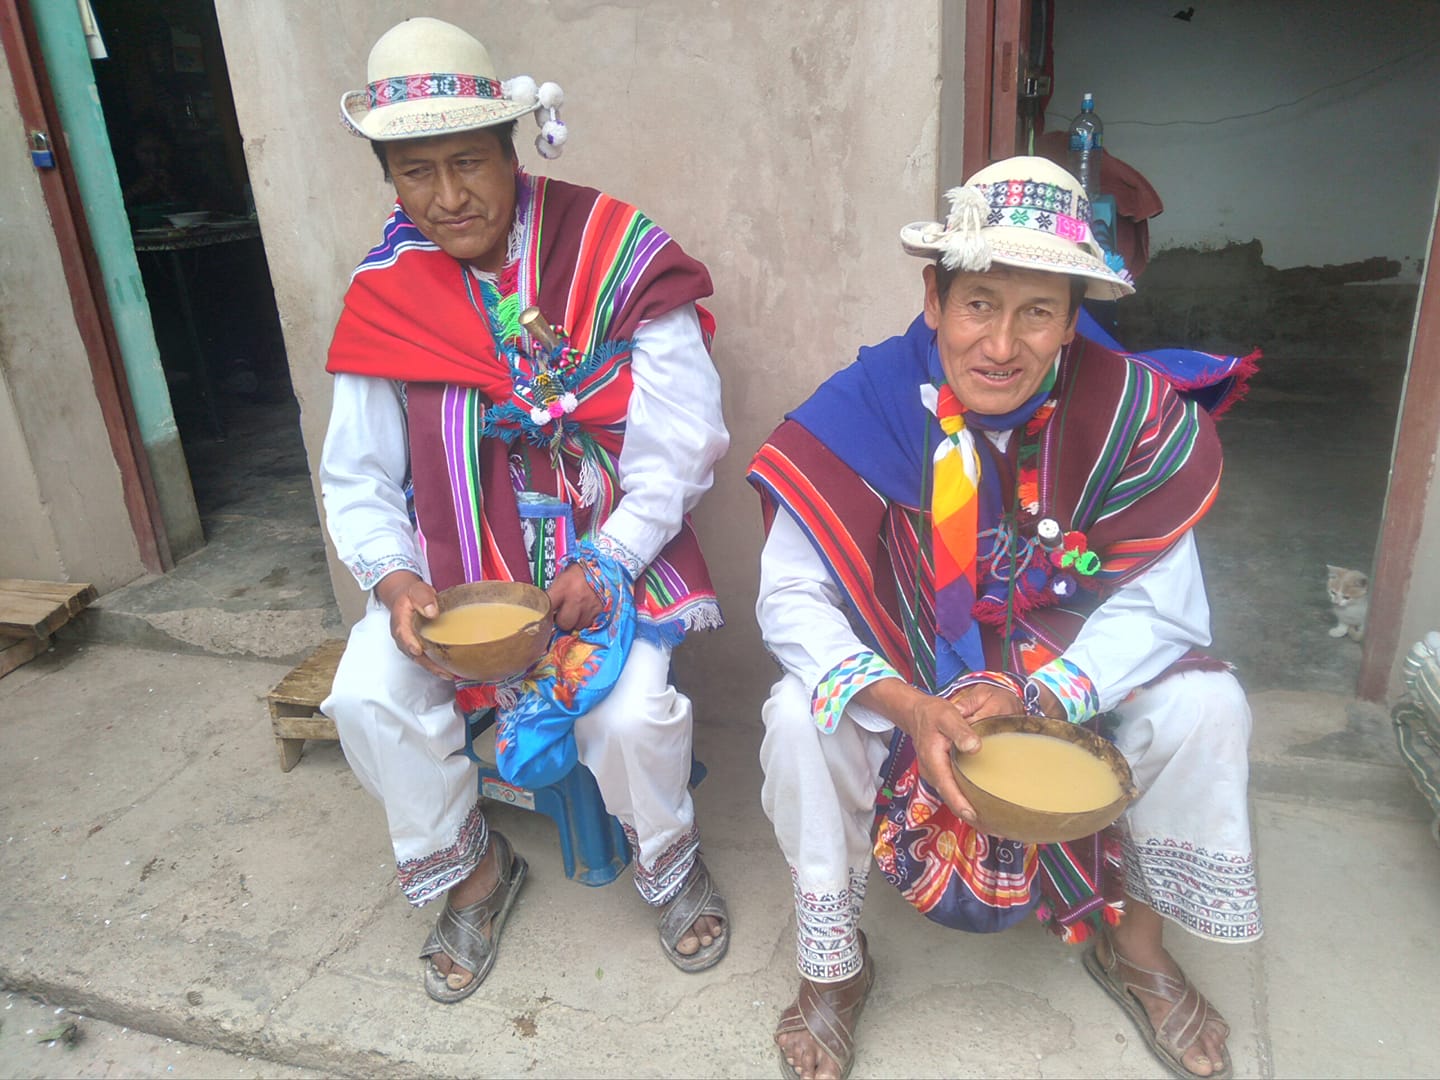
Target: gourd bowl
x=1009 y=820
x=501 y=658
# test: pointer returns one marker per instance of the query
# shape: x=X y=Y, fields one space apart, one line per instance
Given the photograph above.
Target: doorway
x=179 y=158
x=165 y=94
x=1260 y=153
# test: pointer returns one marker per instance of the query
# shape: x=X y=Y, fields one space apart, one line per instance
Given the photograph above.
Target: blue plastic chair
x=592 y=843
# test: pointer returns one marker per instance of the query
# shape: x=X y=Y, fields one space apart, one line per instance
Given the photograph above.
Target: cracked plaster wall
x=783 y=145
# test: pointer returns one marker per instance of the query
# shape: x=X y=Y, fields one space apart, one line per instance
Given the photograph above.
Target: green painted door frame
x=72 y=81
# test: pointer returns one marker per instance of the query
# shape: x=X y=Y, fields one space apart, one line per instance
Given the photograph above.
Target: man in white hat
x=471 y=441
x=991 y=515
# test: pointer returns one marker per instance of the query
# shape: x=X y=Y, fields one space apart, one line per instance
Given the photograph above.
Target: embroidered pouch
x=950 y=871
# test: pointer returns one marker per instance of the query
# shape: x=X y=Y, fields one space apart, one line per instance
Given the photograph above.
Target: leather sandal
x=829 y=1013
x=1188 y=1015
x=696 y=897
x=459 y=932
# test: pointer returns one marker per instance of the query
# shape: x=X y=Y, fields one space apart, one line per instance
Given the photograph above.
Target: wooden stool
x=295 y=703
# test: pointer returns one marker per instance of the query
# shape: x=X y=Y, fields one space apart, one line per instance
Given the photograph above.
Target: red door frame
x=1412 y=475
x=85 y=284
x=995 y=31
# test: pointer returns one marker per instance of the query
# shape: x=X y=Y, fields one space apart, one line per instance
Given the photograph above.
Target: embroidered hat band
x=415 y=87
x=1024 y=212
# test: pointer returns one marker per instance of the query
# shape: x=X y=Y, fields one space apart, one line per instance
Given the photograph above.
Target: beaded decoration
x=547 y=385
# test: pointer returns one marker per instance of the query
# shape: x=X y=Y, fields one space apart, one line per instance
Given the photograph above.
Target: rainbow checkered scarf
x=965 y=502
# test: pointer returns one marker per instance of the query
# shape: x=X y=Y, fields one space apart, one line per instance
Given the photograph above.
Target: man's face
x=460 y=192
x=998 y=333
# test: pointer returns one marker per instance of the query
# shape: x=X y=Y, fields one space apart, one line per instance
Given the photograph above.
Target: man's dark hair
x=504 y=132
x=945 y=278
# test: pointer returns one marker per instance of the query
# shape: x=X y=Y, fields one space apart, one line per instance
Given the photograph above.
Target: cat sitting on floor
x=1349 y=598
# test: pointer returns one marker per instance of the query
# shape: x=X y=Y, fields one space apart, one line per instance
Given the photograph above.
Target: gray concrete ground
x=29 y=1047
x=162 y=875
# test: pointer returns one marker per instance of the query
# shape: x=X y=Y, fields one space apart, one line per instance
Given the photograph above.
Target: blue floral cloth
x=535 y=720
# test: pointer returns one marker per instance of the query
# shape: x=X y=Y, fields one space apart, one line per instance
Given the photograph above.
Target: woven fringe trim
x=589 y=481
x=1249 y=366
x=703 y=615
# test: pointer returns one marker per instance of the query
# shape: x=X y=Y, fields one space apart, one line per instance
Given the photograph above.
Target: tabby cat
x=1349 y=597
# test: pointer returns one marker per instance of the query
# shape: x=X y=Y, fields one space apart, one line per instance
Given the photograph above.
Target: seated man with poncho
x=991 y=515
x=469 y=442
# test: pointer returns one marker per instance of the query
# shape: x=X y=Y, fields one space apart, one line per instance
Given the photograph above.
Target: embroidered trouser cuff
x=819 y=793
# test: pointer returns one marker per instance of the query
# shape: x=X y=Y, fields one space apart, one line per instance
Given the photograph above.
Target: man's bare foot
x=1138 y=945
x=704 y=932
x=695 y=923
x=826 y=1011
x=480 y=884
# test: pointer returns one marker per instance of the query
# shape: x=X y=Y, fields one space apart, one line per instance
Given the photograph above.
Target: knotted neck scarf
x=966 y=501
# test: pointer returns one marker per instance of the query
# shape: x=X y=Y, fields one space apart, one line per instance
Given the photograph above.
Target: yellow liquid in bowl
x=475 y=624
x=1041 y=773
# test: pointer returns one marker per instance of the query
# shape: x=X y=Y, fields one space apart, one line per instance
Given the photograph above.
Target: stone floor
x=260 y=586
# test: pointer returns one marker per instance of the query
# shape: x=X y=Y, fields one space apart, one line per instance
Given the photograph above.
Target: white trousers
x=1187 y=848
x=404 y=738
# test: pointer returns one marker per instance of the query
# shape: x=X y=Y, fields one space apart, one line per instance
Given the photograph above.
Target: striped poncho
x=597 y=268
x=1116 y=454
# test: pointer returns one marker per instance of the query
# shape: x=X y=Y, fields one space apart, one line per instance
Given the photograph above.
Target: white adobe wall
x=1345 y=175
x=784 y=145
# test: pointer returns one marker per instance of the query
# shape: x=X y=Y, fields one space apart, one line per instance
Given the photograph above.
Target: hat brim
x=428 y=116
x=1026 y=249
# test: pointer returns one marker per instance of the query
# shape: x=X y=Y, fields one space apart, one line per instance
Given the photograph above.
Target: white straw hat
x=428 y=77
x=1025 y=212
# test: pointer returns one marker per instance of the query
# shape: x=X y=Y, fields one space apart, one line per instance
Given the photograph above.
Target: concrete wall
x=1344 y=175
x=784 y=145
x=61 y=503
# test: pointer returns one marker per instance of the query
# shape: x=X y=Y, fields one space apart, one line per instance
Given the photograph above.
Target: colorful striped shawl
x=597 y=268
x=1123 y=458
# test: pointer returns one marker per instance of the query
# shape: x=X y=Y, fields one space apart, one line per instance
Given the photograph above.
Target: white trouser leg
x=819 y=793
x=404 y=738
x=638 y=743
x=1187 y=850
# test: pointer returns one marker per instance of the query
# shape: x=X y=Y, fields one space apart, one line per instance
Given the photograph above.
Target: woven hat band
x=436 y=84
x=1034 y=204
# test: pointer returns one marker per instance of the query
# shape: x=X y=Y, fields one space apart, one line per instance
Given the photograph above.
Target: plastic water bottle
x=1087 y=135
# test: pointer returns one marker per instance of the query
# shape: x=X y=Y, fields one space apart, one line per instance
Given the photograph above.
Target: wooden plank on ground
x=310 y=682
x=39 y=608
x=15 y=651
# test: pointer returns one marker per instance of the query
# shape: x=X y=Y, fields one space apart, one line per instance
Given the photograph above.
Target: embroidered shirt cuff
x=843 y=682
x=1071 y=686
x=368 y=573
x=617 y=550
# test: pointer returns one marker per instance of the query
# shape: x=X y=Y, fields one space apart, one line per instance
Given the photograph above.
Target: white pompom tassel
x=521 y=90
x=553 y=133
x=551 y=96
x=963 y=246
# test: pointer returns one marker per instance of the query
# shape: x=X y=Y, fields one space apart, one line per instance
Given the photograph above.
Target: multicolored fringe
x=1082 y=886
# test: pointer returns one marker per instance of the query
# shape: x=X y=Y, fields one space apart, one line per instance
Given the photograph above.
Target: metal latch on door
x=41 y=156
